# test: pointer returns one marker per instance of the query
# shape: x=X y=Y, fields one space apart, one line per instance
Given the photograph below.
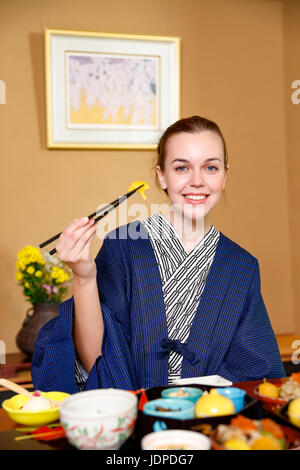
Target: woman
x=173 y=298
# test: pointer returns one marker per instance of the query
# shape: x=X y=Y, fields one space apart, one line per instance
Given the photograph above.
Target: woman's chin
x=194 y=212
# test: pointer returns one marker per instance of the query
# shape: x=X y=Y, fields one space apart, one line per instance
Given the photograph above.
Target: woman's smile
x=194 y=198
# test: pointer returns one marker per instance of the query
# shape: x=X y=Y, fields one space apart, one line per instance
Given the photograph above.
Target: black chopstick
x=55 y=237
x=112 y=205
x=52 y=252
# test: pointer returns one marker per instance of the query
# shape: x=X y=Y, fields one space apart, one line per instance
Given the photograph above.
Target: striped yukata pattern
x=183 y=277
x=231 y=333
x=81 y=374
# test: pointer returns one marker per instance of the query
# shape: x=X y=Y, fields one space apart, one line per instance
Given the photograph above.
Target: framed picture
x=113 y=91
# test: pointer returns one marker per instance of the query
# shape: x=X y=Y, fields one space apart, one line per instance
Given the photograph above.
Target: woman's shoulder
x=117 y=242
x=237 y=251
x=132 y=231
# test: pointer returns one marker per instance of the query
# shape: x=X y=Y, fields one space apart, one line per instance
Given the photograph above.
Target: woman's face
x=194 y=173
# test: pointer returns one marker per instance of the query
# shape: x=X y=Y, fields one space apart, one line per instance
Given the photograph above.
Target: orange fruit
x=272 y=427
x=266 y=443
x=268 y=390
x=296 y=376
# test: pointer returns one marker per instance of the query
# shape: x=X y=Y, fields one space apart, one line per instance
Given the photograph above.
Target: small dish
x=235 y=394
x=175 y=408
x=211 y=380
x=175 y=440
x=32 y=418
x=182 y=393
x=213 y=404
x=270 y=404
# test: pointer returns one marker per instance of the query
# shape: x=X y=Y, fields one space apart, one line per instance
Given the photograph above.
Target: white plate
x=214 y=380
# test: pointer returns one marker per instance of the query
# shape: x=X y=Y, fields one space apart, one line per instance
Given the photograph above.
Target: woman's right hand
x=73 y=248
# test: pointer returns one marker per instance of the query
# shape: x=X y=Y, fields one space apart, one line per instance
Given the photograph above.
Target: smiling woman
x=194 y=174
x=179 y=300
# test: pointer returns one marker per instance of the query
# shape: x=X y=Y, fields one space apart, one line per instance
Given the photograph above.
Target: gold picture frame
x=110 y=91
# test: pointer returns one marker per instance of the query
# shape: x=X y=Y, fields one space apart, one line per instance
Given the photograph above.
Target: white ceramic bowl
x=175 y=439
x=99 y=419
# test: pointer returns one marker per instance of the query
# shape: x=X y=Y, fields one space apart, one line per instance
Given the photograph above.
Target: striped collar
x=162 y=233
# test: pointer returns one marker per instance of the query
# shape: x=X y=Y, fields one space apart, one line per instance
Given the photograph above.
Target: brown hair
x=191 y=124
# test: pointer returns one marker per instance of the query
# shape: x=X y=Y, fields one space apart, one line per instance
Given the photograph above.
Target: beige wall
x=233 y=71
x=291 y=21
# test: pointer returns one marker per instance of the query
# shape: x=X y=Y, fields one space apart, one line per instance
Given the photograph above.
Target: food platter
x=256 y=407
x=253 y=409
x=147 y=424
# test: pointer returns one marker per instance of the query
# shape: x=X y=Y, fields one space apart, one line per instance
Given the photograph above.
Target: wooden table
x=8 y=433
x=16 y=368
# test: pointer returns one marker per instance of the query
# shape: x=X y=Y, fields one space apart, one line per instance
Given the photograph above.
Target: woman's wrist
x=84 y=281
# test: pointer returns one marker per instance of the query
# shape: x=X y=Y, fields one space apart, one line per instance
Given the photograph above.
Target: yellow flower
x=19 y=276
x=54 y=273
x=29 y=255
x=38 y=273
x=30 y=270
x=59 y=275
x=27 y=285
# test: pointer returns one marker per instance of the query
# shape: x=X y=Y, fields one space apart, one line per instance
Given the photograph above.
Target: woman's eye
x=211 y=168
x=181 y=168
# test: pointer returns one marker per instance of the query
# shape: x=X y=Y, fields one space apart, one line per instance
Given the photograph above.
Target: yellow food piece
x=268 y=390
x=294 y=412
x=213 y=404
x=142 y=190
x=266 y=443
x=236 y=444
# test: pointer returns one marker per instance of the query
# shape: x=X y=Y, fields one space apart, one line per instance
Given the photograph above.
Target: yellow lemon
x=213 y=404
x=236 y=444
x=294 y=412
x=266 y=443
x=142 y=190
x=268 y=390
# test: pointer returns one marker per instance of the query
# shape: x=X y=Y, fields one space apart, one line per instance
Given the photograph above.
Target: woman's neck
x=190 y=231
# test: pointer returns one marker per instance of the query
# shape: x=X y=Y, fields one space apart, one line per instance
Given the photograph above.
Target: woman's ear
x=226 y=173
x=161 y=177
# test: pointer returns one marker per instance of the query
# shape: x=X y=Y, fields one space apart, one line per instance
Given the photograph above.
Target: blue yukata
x=167 y=314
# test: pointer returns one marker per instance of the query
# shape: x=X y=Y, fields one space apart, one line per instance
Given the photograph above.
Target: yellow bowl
x=32 y=418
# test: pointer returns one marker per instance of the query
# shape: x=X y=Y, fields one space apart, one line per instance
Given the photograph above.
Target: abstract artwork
x=110 y=91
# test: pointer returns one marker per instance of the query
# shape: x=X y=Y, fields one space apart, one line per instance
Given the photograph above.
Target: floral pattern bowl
x=99 y=419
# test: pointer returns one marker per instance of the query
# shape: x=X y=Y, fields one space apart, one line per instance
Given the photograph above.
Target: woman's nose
x=196 y=178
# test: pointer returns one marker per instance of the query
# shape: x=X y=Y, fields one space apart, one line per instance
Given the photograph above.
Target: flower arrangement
x=45 y=279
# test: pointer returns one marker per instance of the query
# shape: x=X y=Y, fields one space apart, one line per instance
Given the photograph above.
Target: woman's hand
x=73 y=248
